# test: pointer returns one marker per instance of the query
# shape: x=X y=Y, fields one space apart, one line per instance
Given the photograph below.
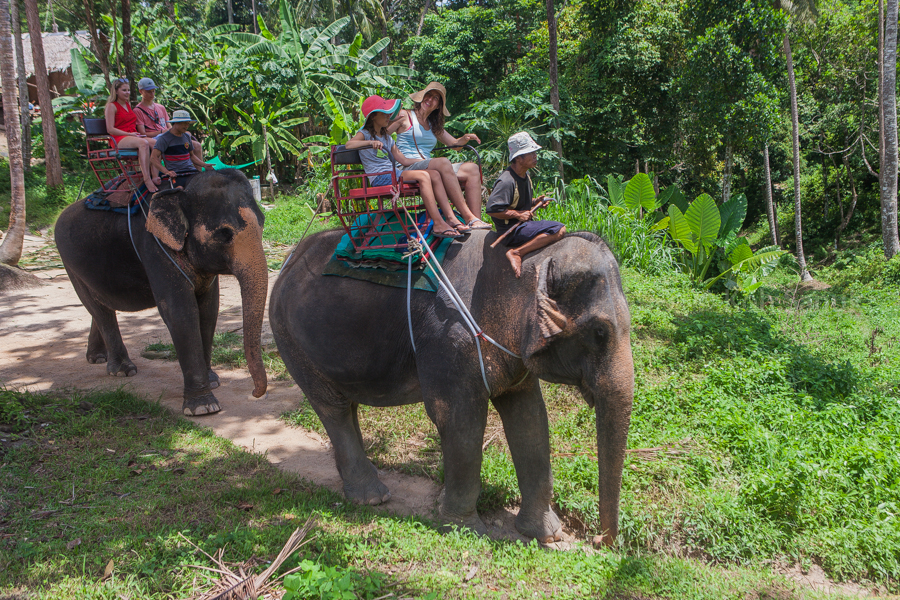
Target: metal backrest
x=341 y=156
x=95 y=126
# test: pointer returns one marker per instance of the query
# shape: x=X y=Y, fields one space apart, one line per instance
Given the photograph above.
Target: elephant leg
x=525 y=424
x=208 y=304
x=105 y=340
x=96 y=350
x=341 y=421
x=461 y=425
x=181 y=314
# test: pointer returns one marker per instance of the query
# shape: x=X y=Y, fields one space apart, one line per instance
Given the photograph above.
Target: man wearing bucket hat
x=512 y=200
x=374 y=144
x=175 y=147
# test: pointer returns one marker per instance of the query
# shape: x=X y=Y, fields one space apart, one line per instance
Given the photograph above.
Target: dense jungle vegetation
x=765 y=433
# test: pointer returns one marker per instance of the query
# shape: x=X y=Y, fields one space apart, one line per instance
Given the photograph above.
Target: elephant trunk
x=612 y=395
x=250 y=269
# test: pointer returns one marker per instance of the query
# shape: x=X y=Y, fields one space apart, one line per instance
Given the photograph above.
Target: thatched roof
x=56 y=49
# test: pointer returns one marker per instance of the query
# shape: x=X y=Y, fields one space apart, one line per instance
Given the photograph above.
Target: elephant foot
x=468 y=520
x=96 y=358
x=197 y=406
x=213 y=380
x=122 y=368
x=544 y=527
x=371 y=492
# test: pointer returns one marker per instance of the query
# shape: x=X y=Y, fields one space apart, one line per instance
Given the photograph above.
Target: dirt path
x=43 y=338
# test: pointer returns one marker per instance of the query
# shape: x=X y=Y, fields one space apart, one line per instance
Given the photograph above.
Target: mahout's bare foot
x=515 y=260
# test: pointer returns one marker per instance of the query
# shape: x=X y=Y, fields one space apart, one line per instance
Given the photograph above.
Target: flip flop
x=448 y=233
x=483 y=225
x=462 y=228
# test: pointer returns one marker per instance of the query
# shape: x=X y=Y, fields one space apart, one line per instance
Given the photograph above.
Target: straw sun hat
x=433 y=86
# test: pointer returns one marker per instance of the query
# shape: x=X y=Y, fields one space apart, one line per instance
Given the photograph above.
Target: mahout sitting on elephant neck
x=345 y=343
x=185 y=241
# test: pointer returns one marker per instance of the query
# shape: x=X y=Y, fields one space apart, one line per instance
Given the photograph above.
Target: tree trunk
x=11 y=248
x=412 y=61
x=22 y=78
x=726 y=176
x=53 y=26
x=880 y=85
x=48 y=124
x=115 y=32
x=554 y=84
x=253 y=8
x=845 y=219
x=795 y=147
x=101 y=50
x=127 y=50
x=770 y=206
x=888 y=169
x=230 y=12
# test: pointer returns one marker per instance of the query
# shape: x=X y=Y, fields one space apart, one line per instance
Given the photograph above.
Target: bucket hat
x=433 y=86
x=379 y=104
x=181 y=116
x=146 y=84
x=521 y=143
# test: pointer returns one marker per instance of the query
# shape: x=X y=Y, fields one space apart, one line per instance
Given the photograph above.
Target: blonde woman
x=121 y=124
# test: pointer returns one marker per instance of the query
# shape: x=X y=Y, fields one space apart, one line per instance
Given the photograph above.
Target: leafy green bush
x=314 y=580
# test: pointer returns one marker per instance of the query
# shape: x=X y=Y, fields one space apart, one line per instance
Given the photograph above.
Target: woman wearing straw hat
x=419 y=130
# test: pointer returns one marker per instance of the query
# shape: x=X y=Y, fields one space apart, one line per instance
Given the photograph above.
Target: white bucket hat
x=181 y=116
x=521 y=143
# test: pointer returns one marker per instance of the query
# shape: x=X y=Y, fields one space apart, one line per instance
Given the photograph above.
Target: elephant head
x=578 y=333
x=215 y=227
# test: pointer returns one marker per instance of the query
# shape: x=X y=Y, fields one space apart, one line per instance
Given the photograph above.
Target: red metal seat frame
x=377 y=202
x=106 y=159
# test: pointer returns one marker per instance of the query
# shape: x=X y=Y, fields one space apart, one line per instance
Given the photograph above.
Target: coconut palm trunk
x=554 y=82
x=11 y=248
x=888 y=168
x=770 y=206
x=48 y=124
x=795 y=147
x=127 y=48
x=22 y=78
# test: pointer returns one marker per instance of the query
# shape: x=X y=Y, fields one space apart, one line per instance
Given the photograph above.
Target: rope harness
x=432 y=263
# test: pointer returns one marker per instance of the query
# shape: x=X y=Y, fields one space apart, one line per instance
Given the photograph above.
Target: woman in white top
x=418 y=131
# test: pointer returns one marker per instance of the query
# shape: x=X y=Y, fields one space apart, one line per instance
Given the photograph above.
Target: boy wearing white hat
x=175 y=146
x=512 y=200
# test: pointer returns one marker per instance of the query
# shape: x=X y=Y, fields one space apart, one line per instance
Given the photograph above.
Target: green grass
x=88 y=479
x=228 y=352
x=41 y=207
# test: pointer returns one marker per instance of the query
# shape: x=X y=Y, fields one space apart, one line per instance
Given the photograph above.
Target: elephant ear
x=166 y=219
x=550 y=319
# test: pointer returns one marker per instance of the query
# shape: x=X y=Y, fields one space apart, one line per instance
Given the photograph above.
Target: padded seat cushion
x=383 y=190
x=129 y=152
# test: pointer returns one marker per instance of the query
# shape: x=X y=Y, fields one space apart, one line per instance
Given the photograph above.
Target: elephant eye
x=601 y=335
x=225 y=235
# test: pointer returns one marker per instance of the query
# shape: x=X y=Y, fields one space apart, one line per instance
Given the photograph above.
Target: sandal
x=462 y=228
x=448 y=233
x=480 y=224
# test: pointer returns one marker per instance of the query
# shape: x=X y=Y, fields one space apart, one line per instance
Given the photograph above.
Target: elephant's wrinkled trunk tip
x=252 y=274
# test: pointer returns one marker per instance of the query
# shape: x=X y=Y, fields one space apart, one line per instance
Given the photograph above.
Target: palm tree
x=800 y=11
x=770 y=207
x=554 y=82
x=366 y=16
x=888 y=168
x=51 y=146
x=22 y=78
x=11 y=248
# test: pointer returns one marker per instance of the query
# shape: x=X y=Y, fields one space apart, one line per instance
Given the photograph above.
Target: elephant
x=189 y=236
x=347 y=342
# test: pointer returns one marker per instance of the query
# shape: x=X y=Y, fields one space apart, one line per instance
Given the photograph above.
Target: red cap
x=379 y=104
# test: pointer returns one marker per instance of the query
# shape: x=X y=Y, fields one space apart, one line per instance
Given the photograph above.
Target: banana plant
x=90 y=89
x=268 y=124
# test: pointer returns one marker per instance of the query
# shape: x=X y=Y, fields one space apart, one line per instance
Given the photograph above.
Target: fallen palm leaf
x=243 y=586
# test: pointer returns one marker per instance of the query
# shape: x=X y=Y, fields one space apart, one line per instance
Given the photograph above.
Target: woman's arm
x=140 y=127
x=449 y=140
x=399 y=123
x=110 y=114
x=358 y=141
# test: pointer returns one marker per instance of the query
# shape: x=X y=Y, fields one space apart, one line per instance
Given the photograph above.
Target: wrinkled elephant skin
x=346 y=342
x=187 y=238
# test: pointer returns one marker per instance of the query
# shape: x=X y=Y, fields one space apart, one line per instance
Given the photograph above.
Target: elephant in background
x=346 y=342
x=211 y=228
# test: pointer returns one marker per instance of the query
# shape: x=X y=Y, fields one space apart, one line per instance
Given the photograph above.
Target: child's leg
x=427 y=192
x=440 y=196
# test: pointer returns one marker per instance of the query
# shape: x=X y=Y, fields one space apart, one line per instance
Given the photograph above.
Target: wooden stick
x=543 y=204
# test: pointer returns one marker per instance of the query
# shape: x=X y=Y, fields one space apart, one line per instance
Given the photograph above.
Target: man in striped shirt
x=174 y=146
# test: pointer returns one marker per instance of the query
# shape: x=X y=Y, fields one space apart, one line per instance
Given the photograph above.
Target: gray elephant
x=346 y=342
x=211 y=228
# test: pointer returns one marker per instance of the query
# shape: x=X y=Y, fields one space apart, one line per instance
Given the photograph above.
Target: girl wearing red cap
x=373 y=142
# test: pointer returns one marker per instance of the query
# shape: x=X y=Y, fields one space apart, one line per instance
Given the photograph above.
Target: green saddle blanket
x=386 y=266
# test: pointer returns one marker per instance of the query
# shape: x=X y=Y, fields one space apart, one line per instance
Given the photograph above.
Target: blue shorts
x=379 y=180
x=530 y=230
